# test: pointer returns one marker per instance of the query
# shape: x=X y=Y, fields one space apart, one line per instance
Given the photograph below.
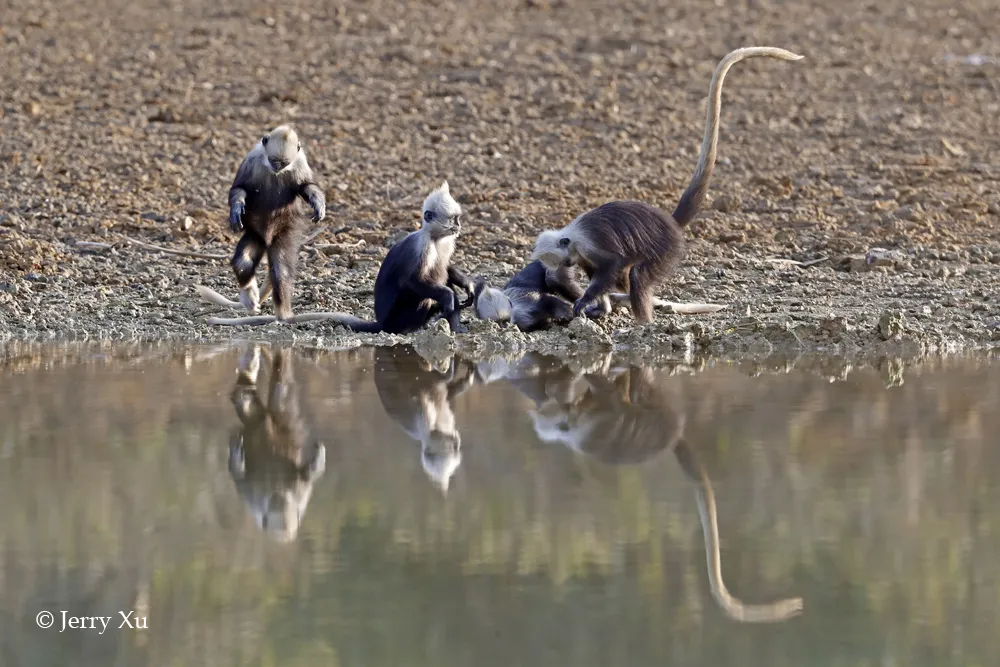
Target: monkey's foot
x=250 y=297
x=237 y=458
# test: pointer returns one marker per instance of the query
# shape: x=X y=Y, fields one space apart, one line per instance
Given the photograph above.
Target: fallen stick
x=694 y=308
x=795 y=262
x=170 y=251
x=257 y=320
x=93 y=245
x=210 y=295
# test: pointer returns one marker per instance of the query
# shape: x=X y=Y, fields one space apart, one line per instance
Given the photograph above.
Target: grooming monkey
x=414 y=282
x=418 y=398
x=631 y=246
x=271 y=459
x=266 y=203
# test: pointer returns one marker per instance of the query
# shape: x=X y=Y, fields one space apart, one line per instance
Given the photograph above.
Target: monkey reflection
x=620 y=417
x=418 y=398
x=271 y=459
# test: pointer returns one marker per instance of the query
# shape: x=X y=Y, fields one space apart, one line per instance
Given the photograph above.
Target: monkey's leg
x=283 y=259
x=247 y=256
x=604 y=278
x=445 y=299
x=641 y=293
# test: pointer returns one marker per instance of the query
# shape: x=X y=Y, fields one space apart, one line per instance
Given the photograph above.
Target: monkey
x=534 y=298
x=271 y=459
x=632 y=246
x=265 y=204
x=418 y=398
x=414 y=283
x=537 y=296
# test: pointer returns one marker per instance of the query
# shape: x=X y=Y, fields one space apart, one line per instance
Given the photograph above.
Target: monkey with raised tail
x=631 y=246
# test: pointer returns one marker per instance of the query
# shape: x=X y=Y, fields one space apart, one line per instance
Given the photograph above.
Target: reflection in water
x=572 y=537
x=619 y=416
x=270 y=457
x=418 y=397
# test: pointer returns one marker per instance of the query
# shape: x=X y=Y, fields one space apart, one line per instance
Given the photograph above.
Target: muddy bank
x=875 y=156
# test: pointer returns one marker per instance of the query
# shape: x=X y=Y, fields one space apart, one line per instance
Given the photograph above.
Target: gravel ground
x=877 y=154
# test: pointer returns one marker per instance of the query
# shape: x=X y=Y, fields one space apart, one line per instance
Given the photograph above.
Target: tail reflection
x=619 y=416
x=418 y=398
x=270 y=457
x=735 y=609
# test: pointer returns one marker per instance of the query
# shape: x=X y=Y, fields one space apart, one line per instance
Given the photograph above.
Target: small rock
x=909 y=212
x=732 y=237
x=187 y=223
x=726 y=203
x=32 y=108
x=892 y=324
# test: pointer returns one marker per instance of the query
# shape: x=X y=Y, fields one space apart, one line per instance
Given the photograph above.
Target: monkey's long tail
x=693 y=197
x=354 y=323
x=674 y=306
x=735 y=609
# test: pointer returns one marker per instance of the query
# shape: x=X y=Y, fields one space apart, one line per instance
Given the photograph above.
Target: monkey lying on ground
x=537 y=296
x=271 y=459
x=532 y=299
x=266 y=204
x=418 y=398
x=632 y=246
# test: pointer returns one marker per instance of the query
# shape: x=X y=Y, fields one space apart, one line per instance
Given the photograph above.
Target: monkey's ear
x=444 y=186
x=264 y=140
x=564 y=242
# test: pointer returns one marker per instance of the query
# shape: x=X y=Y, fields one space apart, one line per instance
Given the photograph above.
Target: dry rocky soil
x=873 y=163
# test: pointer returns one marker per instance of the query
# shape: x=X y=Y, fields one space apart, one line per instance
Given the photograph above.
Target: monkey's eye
x=264 y=140
x=428 y=216
x=300 y=147
x=564 y=242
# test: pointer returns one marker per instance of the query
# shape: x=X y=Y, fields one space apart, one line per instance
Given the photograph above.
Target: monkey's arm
x=238 y=196
x=560 y=282
x=445 y=299
x=456 y=277
x=316 y=199
x=600 y=284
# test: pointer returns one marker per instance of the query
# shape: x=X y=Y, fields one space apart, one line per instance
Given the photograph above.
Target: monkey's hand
x=236 y=211
x=319 y=211
x=469 y=301
x=580 y=306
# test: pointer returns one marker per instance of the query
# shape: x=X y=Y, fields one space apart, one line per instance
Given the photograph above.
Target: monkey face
x=282 y=147
x=442 y=215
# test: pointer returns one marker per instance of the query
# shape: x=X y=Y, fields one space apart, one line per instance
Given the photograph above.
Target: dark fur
x=408 y=294
x=636 y=247
x=274 y=220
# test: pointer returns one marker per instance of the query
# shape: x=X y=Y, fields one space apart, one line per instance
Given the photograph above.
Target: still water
x=264 y=506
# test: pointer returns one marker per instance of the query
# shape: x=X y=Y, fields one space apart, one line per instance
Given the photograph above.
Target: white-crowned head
x=492 y=304
x=282 y=147
x=442 y=215
x=553 y=249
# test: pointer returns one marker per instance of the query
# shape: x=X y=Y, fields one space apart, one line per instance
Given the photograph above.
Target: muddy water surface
x=258 y=506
